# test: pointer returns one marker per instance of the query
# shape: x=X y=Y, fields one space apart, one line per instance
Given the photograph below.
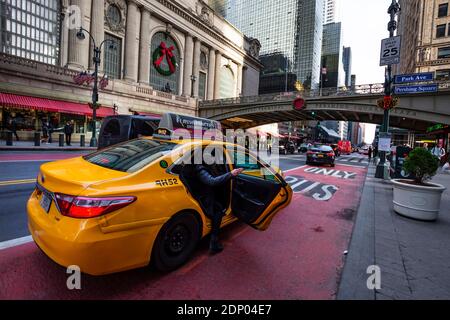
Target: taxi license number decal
x=166 y=182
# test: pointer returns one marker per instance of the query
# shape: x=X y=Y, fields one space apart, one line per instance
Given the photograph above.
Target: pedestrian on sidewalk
x=439 y=152
x=50 y=129
x=68 y=130
x=44 y=131
x=13 y=127
x=370 y=152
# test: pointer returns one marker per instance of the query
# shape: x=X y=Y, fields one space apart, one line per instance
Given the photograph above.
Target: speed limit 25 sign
x=390 y=51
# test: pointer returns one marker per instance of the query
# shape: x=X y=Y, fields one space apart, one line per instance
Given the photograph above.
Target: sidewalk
x=29 y=146
x=413 y=256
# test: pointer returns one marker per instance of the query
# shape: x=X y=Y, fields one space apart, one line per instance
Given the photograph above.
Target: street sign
x=384 y=144
x=390 y=51
x=416 y=77
x=428 y=88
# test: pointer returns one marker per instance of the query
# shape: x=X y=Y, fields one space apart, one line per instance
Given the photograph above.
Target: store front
x=439 y=134
x=26 y=115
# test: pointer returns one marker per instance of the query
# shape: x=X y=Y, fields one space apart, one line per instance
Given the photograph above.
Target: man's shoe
x=215 y=246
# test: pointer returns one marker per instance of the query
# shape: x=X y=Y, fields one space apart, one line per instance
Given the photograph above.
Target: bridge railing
x=358 y=90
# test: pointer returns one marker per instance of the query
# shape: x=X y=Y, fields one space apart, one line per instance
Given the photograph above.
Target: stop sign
x=299 y=104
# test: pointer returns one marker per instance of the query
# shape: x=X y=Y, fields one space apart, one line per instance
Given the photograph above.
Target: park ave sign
x=418 y=77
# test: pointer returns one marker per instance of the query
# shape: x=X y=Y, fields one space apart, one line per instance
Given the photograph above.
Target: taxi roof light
x=87 y=207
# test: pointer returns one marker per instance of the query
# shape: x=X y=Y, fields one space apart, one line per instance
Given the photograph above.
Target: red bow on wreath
x=167 y=52
x=387 y=102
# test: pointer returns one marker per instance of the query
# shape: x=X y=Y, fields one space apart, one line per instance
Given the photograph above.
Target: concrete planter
x=417 y=202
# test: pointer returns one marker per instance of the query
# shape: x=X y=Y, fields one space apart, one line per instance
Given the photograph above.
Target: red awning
x=26 y=102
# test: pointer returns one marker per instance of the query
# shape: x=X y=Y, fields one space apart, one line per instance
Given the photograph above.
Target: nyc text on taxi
x=125 y=206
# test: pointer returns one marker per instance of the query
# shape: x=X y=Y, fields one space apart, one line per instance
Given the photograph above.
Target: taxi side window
x=251 y=166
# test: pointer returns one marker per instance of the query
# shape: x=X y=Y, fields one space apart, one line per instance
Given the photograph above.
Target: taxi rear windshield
x=130 y=156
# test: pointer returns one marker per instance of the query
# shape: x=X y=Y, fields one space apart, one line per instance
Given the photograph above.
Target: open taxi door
x=259 y=192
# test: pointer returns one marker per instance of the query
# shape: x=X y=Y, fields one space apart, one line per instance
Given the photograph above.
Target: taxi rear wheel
x=175 y=243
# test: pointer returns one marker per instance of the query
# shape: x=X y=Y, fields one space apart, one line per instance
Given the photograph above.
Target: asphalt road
x=14 y=193
x=299 y=257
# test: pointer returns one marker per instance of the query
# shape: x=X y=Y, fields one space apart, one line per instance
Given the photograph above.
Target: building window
x=114 y=16
x=158 y=81
x=31 y=29
x=444 y=53
x=226 y=85
x=443 y=10
x=113 y=56
x=443 y=75
x=202 y=85
x=440 y=31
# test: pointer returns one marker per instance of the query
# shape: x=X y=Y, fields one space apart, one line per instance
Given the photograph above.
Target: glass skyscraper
x=332 y=55
x=347 y=61
x=290 y=27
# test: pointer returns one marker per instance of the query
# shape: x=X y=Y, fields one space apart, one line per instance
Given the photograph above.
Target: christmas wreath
x=158 y=56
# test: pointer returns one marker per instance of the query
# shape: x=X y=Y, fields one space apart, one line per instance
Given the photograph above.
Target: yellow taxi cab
x=127 y=205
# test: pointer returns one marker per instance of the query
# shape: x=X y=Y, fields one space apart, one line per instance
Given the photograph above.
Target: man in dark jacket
x=203 y=184
x=68 y=130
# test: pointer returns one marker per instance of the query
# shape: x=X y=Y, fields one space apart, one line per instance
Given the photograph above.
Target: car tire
x=175 y=242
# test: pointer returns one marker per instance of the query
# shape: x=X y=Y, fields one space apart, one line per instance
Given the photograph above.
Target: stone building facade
x=157 y=56
x=425 y=29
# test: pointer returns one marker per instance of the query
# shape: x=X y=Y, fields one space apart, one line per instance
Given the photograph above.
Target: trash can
x=61 y=139
x=82 y=140
x=37 y=139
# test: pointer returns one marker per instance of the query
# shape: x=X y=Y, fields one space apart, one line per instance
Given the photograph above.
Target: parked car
x=120 y=128
x=364 y=150
x=304 y=147
x=335 y=148
x=320 y=154
x=287 y=147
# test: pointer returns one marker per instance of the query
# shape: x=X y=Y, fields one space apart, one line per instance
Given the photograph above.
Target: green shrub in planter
x=422 y=164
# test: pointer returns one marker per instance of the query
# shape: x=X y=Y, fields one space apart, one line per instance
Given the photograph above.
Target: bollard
x=61 y=139
x=82 y=141
x=37 y=138
x=9 y=138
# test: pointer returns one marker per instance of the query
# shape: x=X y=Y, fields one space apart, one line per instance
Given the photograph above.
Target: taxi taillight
x=87 y=207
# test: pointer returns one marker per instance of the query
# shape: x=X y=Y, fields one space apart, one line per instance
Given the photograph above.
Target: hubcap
x=177 y=239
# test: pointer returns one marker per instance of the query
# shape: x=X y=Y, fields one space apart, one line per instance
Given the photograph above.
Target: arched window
x=164 y=67
x=227 y=85
x=31 y=29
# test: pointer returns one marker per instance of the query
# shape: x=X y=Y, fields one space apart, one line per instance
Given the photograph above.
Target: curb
x=12 y=148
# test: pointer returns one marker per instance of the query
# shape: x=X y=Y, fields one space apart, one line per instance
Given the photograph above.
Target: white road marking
x=15 y=242
x=296 y=168
x=40 y=160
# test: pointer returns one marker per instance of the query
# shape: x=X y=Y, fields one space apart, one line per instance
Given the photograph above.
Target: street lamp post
x=393 y=10
x=96 y=59
x=193 y=79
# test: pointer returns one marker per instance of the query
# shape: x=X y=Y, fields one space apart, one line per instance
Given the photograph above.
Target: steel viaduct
x=414 y=111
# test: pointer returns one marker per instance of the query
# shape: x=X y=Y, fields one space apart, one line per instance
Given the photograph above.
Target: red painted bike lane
x=299 y=257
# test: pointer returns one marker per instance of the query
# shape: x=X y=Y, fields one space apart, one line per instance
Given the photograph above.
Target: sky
x=364 y=25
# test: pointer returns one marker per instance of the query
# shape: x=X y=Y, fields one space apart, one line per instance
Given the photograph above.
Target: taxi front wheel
x=175 y=242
